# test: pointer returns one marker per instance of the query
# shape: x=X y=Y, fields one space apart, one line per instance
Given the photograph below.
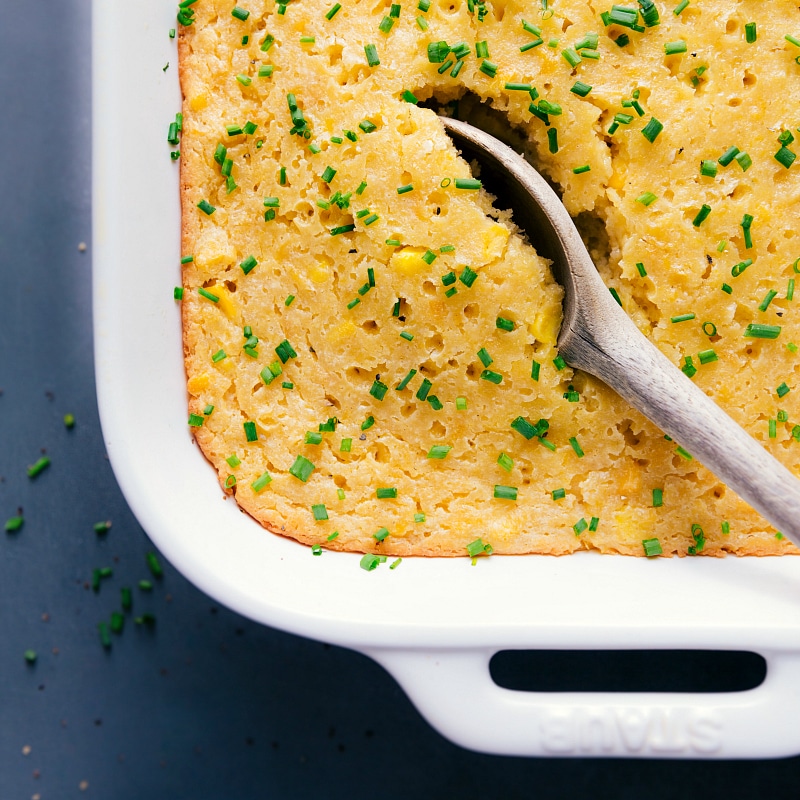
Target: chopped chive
x=342 y=229
x=346 y=445
x=409 y=337
x=483 y=355
x=646 y=199
x=530 y=45
x=702 y=215
x=750 y=32
x=478 y=548
x=493 y=377
x=504 y=324
x=372 y=55
x=240 y=13
x=378 y=390
x=261 y=482
x=13 y=524
x=744 y=161
x=468 y=276
x=707 y=356
x=685 y=454
x=250 y=432
x=177 y=293
x=658 y=498
x=154 y=565
x=580 y=526
x=673 y=48
x=396 y=563
x=38 y=467
x=313 y=437
x=688 y=367
x=469 y=184
x=320 y=512
x=785 y=157
x=505 y=461
x=581 y=89
x=652 y=547
x=582 y=169
x=552 y=139
x=757 y=331
x=439 y=451
x=559 y=494
x=576 y=447
x=386 y=493
x=708 y=168
x=206 y=207
x=728 y=156
x=505 y=492
x=405 y=189
x=424 y=389
x=764 y=304
x=792 y=40
x=682 y=318
x=524 y=427
x=403 y=383
x=333 y=11
x=302 y=469
x=680 y=7
x=368 y=423
x=380 y=534
x=369 y=562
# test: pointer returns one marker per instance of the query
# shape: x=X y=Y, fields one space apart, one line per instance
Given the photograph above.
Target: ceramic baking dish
x=433 y=623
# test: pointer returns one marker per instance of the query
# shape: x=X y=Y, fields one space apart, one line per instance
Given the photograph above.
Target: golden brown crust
x=341 y=350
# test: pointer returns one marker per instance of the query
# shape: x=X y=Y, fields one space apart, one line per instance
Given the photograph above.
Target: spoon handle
x=632 y=366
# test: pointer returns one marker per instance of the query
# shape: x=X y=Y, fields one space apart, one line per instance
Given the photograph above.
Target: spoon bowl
x=598 y=337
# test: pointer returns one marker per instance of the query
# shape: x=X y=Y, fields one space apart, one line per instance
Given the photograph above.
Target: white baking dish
x=434 y=624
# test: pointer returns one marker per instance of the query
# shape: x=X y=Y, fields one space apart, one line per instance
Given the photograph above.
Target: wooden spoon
x=598 y=337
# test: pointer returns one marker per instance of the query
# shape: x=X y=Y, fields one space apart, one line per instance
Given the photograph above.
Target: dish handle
x=454 y=691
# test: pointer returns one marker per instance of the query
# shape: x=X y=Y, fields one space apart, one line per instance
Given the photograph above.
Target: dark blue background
x=206 y=705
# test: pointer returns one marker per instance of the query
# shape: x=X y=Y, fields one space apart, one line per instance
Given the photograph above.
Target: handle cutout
x=663 y=671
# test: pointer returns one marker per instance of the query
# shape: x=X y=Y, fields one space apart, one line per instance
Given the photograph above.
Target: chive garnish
x=493 y=377
x=504 y=324
x=372 y=55
x=369 y=562
x=559 y=494
x=154 y=565
x=250 y=432
x=13 y=524
x=708 y=168
x=386 y=493
x=177 y=293
x=302 y=469
x=320 y=512
x=378 y=390
x=682 y=318
x=206 y=207
x=652 y=547
x=505 y=492
x=581 y=89
x=261 y=482
x=658 y=498
x=580 y=526
x=505 y=461
x=701 y=215
x=469 y=184
x=757 y=331
x=439 y=451
x=646 y=199
x=576 y=447
x=424 y=389
x=380 y=534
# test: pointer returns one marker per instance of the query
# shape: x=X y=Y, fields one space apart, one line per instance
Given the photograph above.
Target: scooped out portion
x=371 y=342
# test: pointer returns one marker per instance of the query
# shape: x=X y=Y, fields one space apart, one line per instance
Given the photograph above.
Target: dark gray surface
x=207 y=705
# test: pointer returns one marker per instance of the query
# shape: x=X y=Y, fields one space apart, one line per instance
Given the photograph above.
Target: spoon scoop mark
x=598 y=337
